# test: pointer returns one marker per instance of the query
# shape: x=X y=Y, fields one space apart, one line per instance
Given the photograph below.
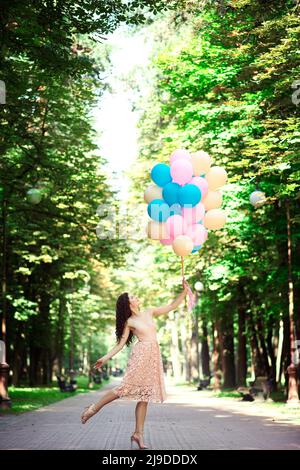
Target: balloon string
x=192 y=298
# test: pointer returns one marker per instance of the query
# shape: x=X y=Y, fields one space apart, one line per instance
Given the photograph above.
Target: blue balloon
x=175 y=209
x=196 y=248
x=170 y=193
x=161 y=174
x=189 y=195
x=158 y=210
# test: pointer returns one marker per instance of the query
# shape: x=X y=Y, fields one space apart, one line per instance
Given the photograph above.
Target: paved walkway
x=188 y=420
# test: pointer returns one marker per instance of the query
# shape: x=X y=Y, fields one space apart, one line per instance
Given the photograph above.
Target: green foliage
x=223 y=83
x=53 y=59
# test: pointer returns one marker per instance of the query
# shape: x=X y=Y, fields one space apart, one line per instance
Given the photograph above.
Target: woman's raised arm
x=168 y=308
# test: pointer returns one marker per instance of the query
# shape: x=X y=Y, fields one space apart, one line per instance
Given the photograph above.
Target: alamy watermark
x=135 y=223
x=124 y=222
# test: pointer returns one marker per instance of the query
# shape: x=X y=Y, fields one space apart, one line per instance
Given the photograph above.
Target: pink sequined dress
x=144 y=376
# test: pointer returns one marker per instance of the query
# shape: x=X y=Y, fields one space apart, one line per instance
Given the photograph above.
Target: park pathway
x=188 y=420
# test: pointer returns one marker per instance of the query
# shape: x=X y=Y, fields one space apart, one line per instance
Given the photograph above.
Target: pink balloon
x=167 y=241
x=175 y=225
x=192 y=215
x=181 y=171
x=197 y=233
x=201 y=183
x=180 y=153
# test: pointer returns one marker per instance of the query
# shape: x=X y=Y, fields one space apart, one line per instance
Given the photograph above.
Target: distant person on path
x=143 y=380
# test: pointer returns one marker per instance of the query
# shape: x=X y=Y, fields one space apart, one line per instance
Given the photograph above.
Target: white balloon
x=257 y=198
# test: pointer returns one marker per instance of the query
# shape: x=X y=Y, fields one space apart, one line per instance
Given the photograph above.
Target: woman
x=143 y=380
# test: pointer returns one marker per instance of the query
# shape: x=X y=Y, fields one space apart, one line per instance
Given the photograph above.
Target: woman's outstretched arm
x=173 y=305
x=115 y=349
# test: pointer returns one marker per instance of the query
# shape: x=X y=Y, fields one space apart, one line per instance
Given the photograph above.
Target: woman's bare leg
x=140 y=415
x=107 y=398
x=95 y=407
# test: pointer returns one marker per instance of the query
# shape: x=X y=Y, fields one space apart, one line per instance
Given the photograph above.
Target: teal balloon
x=170 y=193
x=158 y=210
x=196 y=248
x=161 y=174
x=189 y=195
x=175 y=209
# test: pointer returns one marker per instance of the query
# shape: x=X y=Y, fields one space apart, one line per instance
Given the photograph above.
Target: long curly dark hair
x=123 y=312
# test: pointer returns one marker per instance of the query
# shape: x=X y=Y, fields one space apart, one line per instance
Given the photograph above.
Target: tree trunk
x=256 y=358
x=286 y=351
x=184 y=338
x=45 y=330
x=205 y=351
x=195 y=347
x=60 y=339
x=175 y=353
x=242 y=351
x=271 y=351
x=216 y=356
x=263 y=347
x=227 y=352
x=4 y=267
x=18 y=355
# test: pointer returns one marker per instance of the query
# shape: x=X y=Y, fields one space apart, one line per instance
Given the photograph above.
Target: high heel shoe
x=88 y=412
x=135 y=438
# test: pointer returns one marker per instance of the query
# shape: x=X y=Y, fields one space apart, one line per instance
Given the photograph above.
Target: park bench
x=64 y=386
x=117 y=372
x=260 y=389
x=246 y=393
x=97 y=378
x=203 y=384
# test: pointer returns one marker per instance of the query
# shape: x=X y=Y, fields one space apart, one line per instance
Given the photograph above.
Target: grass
x=31 y=398
x=277 y=399
x=228 y=393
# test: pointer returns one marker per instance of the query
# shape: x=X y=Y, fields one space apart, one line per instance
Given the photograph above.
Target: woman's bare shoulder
x=147 y=313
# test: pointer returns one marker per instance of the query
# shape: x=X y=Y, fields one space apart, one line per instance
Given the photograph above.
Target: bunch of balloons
x=184 y=201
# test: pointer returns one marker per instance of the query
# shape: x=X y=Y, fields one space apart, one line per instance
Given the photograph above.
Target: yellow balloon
x=213 y=200
x=216 y=177
x=157 y=230
x=214 y=219
x=201 y=162
x=183 y=245
x=152 y=192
